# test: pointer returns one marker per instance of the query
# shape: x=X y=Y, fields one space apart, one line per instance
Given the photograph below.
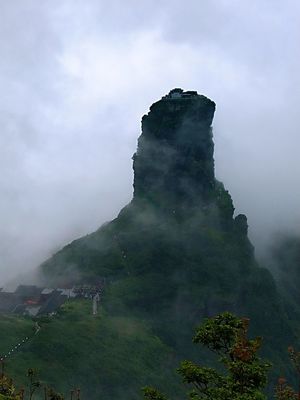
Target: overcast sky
x=76 y=76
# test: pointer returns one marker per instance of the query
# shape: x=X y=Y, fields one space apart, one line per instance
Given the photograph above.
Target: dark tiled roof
x=53 y=303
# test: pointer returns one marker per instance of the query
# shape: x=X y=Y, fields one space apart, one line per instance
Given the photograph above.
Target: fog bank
x=76 y=77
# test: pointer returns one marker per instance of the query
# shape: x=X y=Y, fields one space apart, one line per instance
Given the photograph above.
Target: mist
x=76 y=78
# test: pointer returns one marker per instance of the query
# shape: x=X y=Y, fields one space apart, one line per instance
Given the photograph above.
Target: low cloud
x=76 y=77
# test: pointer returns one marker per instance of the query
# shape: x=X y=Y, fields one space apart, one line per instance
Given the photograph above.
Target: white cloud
x=76 y=78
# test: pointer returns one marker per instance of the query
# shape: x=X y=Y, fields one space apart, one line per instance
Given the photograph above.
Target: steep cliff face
x=176 y=253
x=174 y=165
x=177 y=205
x=285 y=260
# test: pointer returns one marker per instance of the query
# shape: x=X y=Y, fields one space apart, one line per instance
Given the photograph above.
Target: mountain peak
x=174 y=159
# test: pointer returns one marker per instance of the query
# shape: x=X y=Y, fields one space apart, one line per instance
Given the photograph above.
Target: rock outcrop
x=174 y=160
x=176 y=253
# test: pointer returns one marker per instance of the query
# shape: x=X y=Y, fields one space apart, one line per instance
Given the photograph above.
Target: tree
x=52 y=395
x=7 y=389
x=9 y=392
x=245 y=373
x=284 y=391
x=34 y=382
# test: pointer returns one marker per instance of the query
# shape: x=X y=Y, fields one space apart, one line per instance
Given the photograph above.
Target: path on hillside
x=37 y=328
x=19 y=345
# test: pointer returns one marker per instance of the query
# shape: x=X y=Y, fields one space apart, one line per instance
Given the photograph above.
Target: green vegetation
x=111 y=356
x=245 y=373
x=240 y=375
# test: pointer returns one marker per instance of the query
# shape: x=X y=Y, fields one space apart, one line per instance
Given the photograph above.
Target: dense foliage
x=245 y=373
